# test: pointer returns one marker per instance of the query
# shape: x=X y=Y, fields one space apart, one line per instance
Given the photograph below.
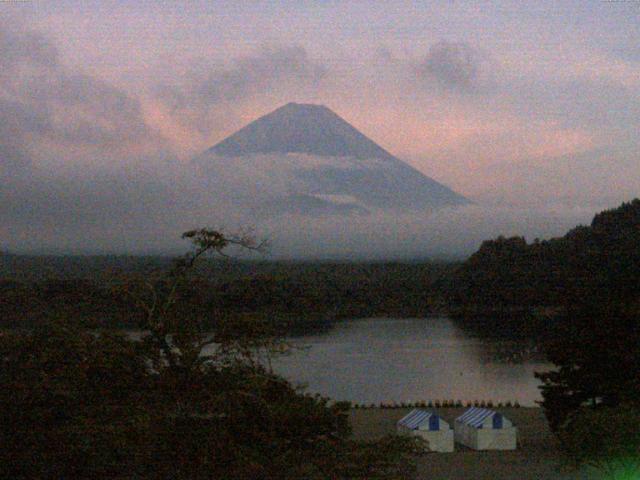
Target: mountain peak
x=302 y=106
x=301 y=128
x=349 y=173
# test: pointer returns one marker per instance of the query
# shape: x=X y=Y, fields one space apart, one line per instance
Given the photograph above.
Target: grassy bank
x=538 y=456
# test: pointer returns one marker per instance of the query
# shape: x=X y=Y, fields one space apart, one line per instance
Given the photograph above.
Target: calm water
x=385 y=360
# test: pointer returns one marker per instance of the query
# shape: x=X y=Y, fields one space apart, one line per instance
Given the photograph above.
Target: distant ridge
x=305 y=159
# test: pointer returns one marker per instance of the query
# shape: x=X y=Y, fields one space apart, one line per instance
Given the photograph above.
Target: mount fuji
x=304 y=159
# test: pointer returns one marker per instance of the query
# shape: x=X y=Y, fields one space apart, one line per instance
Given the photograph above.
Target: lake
x=406 y=360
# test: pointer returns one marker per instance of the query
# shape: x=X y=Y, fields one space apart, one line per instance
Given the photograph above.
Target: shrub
x=606 y=438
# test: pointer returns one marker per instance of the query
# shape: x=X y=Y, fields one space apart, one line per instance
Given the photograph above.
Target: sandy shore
x=537 y=456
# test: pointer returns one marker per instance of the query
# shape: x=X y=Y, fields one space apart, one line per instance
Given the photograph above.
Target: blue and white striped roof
x=417 y=417
x=476 y=417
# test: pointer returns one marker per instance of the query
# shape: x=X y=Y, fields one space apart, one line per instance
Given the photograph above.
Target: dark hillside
x=601 y=260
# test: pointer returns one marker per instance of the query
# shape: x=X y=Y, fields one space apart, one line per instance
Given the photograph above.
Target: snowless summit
x=301 y=128
x=305 y=159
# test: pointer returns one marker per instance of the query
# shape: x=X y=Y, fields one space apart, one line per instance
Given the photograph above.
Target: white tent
x=483 y=429
x=429 y=426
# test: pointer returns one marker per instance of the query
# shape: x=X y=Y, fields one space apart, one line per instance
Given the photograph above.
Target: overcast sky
x=531 y=109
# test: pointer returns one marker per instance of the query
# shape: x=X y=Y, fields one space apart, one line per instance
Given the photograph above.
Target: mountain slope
x=305 y=159
x=301 y=128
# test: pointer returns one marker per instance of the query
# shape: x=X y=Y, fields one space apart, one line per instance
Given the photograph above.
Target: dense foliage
x=510 y=273
x=605 y=438
x=595 y=346
x=180 y=401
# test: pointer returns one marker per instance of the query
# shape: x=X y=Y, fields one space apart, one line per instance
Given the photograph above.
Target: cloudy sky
x=531 y=109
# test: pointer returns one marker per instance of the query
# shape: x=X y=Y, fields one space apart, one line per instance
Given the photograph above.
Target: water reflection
x=385 y=360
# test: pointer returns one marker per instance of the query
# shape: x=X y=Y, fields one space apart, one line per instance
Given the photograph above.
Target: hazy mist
x=104 y=106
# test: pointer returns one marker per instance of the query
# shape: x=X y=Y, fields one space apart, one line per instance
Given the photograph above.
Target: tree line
x=300 y=297
x=509 y=273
